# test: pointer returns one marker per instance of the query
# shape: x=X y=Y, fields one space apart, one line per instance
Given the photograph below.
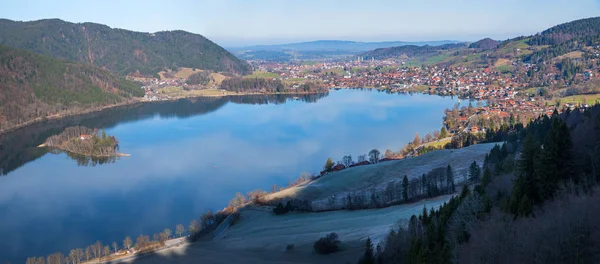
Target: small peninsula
x=85 y=141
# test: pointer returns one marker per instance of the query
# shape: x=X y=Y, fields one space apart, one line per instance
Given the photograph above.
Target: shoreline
x=131 y=102
x=117 y=154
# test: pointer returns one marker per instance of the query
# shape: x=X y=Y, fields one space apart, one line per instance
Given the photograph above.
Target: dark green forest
x=535 y=202
x=37 y=86
x=120 y=51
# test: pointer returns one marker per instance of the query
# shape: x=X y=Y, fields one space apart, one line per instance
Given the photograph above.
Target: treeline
x=143 y=243
x=410 y=51
x=508 y=216
x=199 y=78
x=582 y=28
x=262 y=85
x=256 y=85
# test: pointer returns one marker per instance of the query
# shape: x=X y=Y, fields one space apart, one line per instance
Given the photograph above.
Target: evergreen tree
x=450 y=179
x=474 y=172
x=443 y=133
x=368 y=257
x=527 y=165
x=405 y=188
x=487 y=177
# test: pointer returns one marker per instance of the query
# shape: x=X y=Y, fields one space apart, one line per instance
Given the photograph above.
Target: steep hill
x=118 y=50
x=35 y=86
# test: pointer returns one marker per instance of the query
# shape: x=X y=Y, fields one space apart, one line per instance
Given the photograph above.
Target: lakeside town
x=506 y=91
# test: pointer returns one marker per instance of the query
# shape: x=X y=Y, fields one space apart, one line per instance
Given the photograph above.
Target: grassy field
x=173 y=91
x=505 y=68
x=439 y=143
x=376 y=175
x=510 y=47
x=181 y=73
x=420 y=88
x=261 y=237
x=218 y=77
x=502 y=62
x=570 y=55
x=294 y=80
x=579 y=99
x=262 y=75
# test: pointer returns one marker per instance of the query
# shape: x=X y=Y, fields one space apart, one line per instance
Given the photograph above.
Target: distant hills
x=570 y=39
x=410 y=51
x=35 y=86
x=485 y=44
x=121 y=51
x=320 y=49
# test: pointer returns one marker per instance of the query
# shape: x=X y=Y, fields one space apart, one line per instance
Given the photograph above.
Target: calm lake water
x=187 y=157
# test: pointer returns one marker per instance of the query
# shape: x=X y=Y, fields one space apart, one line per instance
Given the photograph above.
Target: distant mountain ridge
x=410 y=51
x=355 y=46
x=320 y=49
x=120 y=51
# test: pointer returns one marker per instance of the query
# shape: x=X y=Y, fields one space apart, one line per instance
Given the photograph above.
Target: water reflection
x=20 y=146
x=187 y=157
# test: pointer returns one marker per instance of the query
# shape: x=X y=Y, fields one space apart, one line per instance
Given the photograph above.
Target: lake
x=187 y=157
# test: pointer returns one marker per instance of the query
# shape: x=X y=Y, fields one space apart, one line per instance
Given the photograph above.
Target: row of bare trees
x=142 y=243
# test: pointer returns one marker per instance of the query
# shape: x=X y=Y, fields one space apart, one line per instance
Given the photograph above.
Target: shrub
x=235 y=217
x=280 y=209
x=328 y=244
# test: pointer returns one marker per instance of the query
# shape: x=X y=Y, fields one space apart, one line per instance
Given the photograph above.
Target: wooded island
x=85 y=141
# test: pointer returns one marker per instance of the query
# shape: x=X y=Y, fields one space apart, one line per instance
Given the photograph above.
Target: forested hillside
x=535 y=202
x=34 y=86
x=410 y=51
x=118 y=50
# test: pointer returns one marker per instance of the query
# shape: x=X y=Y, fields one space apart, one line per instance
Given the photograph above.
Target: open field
x=505 y=68
x=377 y=175
x=181 y=73
x=579 y=99
x=502 y=62
x=218 y=77
x=173 y=91
x=570 y=55
x=262 y=75
x=439 y=143
x=261 y=237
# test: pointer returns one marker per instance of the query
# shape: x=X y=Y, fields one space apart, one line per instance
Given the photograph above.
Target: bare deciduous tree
x=88 y=253
x=127 y=242
x=179 y=229
x=193 y=227
x=106 y=251
x=347 y=160
x=97 y=249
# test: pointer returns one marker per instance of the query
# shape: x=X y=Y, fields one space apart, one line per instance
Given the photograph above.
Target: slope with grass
x=378 y=175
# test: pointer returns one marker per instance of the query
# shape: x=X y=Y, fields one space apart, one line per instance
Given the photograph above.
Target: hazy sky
x=245 y=22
